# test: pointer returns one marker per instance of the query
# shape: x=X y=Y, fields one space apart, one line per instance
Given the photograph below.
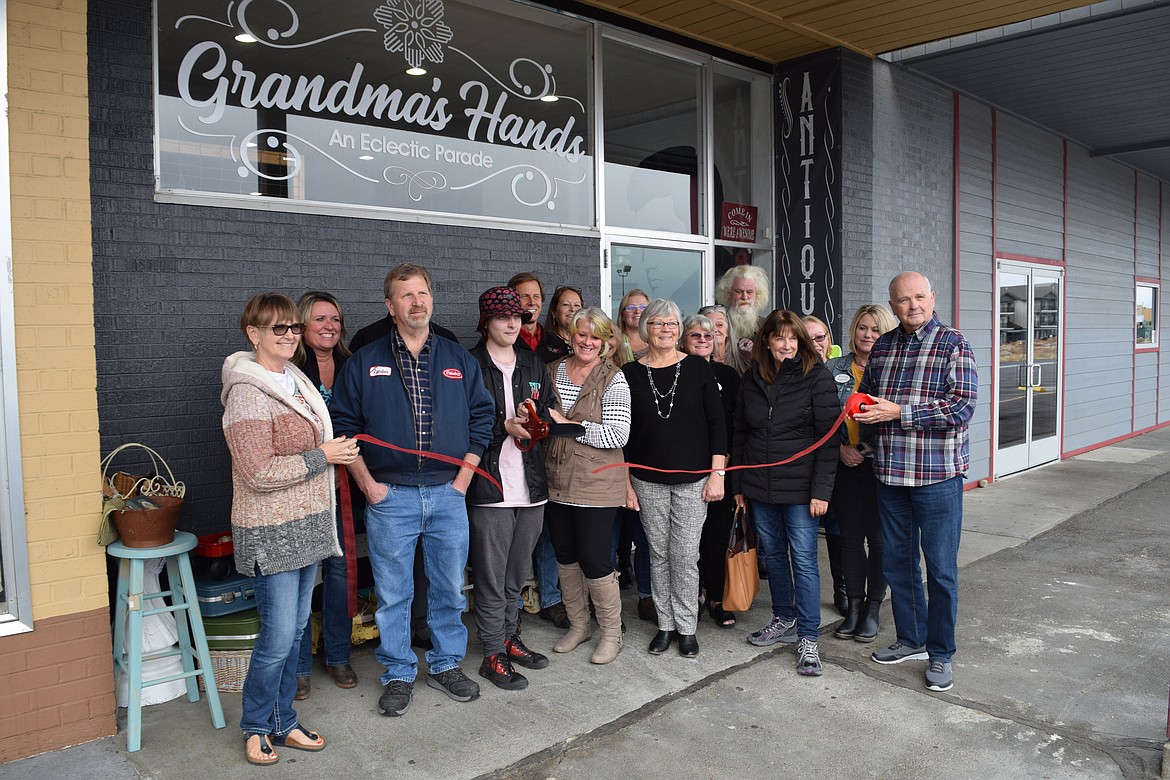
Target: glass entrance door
x=1028 y=370
x=659 y=271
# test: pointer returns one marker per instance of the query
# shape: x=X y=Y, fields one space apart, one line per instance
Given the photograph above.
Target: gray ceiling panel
x=1103 y=82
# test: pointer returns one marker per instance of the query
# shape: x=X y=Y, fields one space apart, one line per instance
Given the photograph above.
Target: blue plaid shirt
x=931 y=374
x=416 y=376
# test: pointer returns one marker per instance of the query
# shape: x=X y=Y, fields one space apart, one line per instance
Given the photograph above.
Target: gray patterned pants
x=673 y=516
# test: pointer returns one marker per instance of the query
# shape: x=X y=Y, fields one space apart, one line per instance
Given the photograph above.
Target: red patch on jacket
x=452 y=373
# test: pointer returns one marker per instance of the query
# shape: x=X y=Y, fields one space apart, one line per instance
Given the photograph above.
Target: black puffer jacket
x=777 y=421
x=529 y=380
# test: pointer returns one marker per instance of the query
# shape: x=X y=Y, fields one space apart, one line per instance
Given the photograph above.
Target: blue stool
x=185 y=606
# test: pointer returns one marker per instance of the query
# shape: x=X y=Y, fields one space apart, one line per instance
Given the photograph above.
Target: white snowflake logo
x=415 y=28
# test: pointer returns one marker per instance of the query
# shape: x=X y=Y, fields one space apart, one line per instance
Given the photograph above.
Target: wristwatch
x=720 y=472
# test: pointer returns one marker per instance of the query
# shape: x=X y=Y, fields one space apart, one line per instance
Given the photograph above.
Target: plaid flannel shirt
x=931 y=374
x=416 y=376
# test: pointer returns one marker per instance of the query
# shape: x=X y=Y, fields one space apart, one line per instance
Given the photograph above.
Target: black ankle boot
x=870 y=624
x=840 y=597
x=848 y=627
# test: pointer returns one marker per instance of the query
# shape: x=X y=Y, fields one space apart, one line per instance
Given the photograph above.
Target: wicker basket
x=230 y=667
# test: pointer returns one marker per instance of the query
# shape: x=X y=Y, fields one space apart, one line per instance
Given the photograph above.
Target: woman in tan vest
x=583 y=505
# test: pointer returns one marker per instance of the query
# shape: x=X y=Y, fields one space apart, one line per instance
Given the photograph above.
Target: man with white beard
x=743 y=291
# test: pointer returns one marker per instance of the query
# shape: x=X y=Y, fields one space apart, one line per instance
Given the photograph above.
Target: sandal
x=314 y=744
x=266 y=756
x=722 y=617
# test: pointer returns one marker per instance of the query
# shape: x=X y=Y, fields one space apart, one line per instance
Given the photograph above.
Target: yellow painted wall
x=53 y=280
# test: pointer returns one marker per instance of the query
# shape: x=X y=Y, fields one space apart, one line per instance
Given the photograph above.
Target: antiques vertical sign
x=808 y=176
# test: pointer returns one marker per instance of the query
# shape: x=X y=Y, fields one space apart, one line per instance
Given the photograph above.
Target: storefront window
x=743 y=183
x=653 y=141
x=1146 y=315
x=428 y=105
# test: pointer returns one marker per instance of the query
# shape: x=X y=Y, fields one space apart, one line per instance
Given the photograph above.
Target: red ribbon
x=347 y=507
x=797 y=456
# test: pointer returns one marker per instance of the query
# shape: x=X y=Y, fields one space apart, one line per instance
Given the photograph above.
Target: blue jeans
x=336 y=622
x=283 y=601
x=788 y=534
x=931 y=518
x=436 y=514
x=544 y=565
x=629 y=520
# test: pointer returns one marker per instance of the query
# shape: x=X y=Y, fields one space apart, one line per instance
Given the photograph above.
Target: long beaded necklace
x=669 y=395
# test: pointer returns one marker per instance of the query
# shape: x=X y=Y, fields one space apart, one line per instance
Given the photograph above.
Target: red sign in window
x=738 y=223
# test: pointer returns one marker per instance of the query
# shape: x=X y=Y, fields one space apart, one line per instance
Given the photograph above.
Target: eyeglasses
x=282 y=328
x=637 y=307
x=672 y=325
x=700 y=336
x=820 y=338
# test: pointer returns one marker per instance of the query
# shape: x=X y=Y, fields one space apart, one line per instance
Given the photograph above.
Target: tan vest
x=569 y=462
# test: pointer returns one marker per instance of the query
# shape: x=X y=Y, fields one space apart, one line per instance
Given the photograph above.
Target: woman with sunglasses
x=724 y=336
x=699 y=339
x=822 y=339
x=677 y=423
x=629 y=313
x=283 y=451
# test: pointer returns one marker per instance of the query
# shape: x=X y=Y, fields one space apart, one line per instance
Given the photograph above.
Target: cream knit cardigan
x=283 y=505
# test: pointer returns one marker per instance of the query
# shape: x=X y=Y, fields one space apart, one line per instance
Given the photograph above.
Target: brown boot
x=607 y=601
x=573 y=596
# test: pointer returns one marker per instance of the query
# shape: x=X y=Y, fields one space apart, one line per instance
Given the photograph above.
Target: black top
x=381 y=329
x=694 y=429
x=773 y=422
x=313 y=371
x=728 y=380
x=550 y=348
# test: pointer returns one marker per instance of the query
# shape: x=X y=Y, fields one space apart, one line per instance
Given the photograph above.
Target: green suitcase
x=237 y=631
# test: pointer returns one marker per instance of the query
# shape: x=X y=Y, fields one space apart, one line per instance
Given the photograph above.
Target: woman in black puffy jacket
x=787 y=402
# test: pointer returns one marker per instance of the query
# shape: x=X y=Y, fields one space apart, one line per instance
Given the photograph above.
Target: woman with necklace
x=677 y=423
x=320 y=354
x=787 y=403
x=583 y=505
x=855 y=493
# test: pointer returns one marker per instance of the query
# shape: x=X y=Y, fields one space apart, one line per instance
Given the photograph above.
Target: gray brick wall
x=170 y=280
x=898 y=200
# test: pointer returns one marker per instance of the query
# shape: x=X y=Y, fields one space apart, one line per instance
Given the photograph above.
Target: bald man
x=924 y=378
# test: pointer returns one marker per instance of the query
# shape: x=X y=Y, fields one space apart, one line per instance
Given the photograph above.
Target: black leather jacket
x=529 y=380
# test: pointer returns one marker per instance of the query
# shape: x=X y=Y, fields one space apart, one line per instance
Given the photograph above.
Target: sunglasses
x=297 y=328
x=700 y=336
x=820 y=338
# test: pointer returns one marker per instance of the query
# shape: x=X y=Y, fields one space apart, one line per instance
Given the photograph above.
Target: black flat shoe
x=688 y=645
x=661 y=641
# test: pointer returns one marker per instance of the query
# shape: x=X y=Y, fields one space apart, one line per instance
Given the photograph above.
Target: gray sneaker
x=455 y=684
x=938 y=676
x=808 y=658
x=777 y=630
x=395 y=698
x=898 y=652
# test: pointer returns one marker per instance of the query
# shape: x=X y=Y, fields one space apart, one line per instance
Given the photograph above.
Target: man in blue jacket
x=422 y=393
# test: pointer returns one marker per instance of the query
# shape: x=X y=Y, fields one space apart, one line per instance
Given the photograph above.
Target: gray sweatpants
x=501 y=544
x=673 y=516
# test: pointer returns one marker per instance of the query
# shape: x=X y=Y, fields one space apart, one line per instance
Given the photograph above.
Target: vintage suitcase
x=237 y=631
x=225 y=597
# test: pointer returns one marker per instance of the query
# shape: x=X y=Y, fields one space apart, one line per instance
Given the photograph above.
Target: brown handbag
x=742 y=582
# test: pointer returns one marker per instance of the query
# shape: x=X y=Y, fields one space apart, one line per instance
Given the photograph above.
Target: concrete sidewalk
x=1061 y=672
